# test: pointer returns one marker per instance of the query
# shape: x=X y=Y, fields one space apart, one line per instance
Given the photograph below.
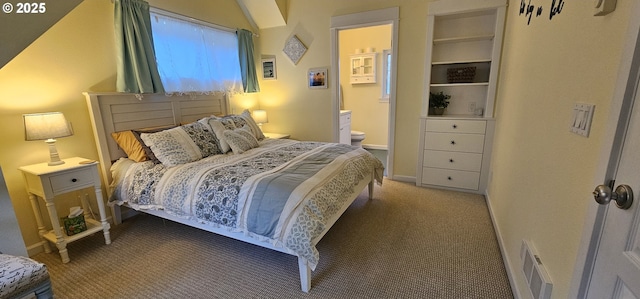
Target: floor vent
x=537 y=278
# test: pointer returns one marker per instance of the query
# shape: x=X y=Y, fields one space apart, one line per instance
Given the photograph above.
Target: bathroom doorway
x=366 y=91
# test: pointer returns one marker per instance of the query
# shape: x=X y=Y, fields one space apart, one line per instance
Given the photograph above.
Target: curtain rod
x=201 y=22
x=180 y=16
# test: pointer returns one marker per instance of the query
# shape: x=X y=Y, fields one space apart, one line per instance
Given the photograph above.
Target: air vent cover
x=537 y=278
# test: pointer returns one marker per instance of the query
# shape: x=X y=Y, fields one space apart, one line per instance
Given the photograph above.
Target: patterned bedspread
x=282 y=192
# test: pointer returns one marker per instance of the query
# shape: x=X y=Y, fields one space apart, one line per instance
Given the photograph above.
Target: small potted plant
x=438 y=102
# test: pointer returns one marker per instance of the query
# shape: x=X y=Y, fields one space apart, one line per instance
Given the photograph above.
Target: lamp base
x=54 y=158
x=54 y=163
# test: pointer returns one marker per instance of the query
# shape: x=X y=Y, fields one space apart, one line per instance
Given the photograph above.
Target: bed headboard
x=113 y=112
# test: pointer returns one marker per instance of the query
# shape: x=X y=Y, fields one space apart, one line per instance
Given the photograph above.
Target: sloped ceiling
x=19 y=30
x=265 y=13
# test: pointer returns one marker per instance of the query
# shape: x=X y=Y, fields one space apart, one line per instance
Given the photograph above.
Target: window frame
x=386 y=75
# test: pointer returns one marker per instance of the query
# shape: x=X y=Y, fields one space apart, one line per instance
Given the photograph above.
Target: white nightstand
x=276 y=135
x=47 y=181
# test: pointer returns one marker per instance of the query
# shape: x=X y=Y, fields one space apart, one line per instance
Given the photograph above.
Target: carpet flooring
x=407 y=242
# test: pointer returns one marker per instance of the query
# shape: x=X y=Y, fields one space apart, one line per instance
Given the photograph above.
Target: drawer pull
x=453 y=142
x=455 y=126
x=74 y=180
x=449 y=178
x=450 y=160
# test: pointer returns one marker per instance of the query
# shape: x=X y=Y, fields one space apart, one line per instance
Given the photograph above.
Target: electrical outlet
x=472 y=107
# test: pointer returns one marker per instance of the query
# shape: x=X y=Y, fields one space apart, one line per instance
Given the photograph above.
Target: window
x=195 y=56
x=386 y=75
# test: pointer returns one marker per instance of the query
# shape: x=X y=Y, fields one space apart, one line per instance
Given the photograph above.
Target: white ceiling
x=264 y=13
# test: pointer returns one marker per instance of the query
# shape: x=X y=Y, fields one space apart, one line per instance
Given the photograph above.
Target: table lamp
x=47 y=126
x=260 y=117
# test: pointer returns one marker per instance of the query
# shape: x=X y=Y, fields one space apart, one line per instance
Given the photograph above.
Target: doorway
x=605 y=239
x=371 y=112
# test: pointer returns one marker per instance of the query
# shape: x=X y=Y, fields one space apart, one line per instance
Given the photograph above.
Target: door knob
x=623 y=195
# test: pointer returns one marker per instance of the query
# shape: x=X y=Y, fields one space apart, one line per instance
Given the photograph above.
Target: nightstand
x=46 y=182
x=276 y=135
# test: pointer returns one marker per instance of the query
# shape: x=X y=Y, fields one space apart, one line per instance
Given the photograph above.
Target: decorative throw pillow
x=246 y=115
x=131 y=146
x=240 y=140
x=218 y=129
x=147 y=150
x=182 y=144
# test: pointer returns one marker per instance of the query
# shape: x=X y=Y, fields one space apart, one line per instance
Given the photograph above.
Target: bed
x=279 y=194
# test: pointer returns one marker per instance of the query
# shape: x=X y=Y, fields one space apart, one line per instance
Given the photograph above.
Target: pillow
x=218 y=129
x=246 y=115
x=183 y=144
x=128 y=142
x=243 y=119
x=150 y=155
x=240 y=140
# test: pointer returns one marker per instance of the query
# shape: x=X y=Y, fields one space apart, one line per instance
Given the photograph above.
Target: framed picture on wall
x=317 y=78
x=269 y=68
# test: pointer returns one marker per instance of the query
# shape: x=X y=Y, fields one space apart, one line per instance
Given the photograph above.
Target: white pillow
x=240 y=140
x=246 y=115
x=183 y=144
x=218 y=129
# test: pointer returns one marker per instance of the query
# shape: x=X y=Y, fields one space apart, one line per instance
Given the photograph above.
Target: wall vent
x=537 y=278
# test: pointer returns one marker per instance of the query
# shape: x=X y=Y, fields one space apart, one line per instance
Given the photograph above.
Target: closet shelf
x=461 y=61
x=463 y=39
x=459 y=84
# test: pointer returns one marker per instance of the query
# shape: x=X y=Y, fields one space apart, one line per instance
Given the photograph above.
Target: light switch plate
x=581 y=119
x=604 y=7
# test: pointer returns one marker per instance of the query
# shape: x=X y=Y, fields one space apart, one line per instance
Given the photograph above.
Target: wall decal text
x=529 y=9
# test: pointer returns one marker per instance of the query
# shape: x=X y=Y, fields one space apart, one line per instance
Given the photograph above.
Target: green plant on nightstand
x=438 y=102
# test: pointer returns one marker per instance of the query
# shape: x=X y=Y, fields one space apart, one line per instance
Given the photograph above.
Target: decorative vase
x=438 y=111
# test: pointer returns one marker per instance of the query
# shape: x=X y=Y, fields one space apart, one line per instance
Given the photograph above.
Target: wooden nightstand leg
x=41 y=228
x=103 y=216
x=55 y=223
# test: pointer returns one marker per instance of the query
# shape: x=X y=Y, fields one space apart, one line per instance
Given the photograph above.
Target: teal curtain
x=247 y=63
x=137 y=71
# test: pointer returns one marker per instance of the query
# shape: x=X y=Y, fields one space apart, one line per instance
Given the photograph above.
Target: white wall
x=542 y=173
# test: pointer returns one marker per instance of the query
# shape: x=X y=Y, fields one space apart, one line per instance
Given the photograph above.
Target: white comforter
x=282 y=192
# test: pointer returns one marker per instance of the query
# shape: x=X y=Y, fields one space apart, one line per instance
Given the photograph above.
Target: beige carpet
x=408 y=242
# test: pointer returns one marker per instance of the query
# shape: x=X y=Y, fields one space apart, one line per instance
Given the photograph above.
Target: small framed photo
x=269 y=68
x=317 y=78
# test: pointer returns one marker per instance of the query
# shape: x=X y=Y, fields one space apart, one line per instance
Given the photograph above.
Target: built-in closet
x=464 y=42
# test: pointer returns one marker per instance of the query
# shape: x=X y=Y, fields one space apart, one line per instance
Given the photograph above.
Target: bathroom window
x=386 y=75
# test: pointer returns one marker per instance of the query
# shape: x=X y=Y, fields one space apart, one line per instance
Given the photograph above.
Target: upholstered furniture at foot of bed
x=21 y=276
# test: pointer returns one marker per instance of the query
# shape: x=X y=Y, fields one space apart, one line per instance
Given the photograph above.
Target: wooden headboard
x=113 y=112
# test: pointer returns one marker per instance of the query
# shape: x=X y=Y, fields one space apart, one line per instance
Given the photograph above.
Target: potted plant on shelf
x=438 y=102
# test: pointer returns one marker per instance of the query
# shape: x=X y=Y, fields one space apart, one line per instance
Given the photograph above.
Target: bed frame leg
x=371 y=184
x=305 y=275
x=116 y=214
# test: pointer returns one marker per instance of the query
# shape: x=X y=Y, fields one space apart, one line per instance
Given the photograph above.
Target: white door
x=616 y=272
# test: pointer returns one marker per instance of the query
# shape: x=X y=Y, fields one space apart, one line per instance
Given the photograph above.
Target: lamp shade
x=260 y=116
x=42 y=126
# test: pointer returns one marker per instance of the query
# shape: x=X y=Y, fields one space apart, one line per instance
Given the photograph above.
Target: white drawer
x=452 y=160
x=456 y=126
x=451 y=178
x=470 y=143
x=71 y=180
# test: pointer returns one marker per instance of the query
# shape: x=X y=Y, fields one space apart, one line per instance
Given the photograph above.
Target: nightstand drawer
x=452 y=160
x=456 y=126
x=470 y=143
x=451 y=178
x=72 y=180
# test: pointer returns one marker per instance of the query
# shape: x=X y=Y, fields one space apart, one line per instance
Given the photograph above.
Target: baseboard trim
x=507 y=262
x=404 y=178
x=375 y=147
